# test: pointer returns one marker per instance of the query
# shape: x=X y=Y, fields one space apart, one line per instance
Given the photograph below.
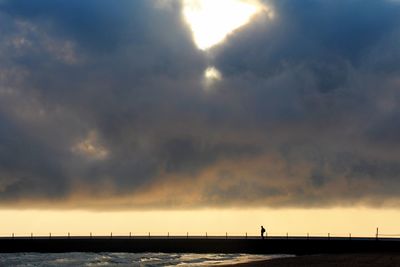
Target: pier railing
x=293 y=245
x=205 y=235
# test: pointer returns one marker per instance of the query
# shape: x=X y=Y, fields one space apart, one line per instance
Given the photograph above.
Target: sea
x=127 y=259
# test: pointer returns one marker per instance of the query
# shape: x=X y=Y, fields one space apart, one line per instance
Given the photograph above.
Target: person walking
x=262 y=231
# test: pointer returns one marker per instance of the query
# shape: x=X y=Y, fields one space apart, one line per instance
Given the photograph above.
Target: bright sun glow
x=212 y=73
x=212 y=20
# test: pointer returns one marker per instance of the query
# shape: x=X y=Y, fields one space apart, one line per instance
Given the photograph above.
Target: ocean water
x=127 y=259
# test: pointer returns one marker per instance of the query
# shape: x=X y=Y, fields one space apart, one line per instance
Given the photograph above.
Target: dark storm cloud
x=100 y=24
x=104 y=100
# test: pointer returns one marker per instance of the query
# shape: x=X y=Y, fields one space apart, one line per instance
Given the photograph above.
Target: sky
x=199 y=108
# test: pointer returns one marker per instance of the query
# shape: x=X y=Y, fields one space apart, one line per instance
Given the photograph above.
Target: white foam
x=127 y=259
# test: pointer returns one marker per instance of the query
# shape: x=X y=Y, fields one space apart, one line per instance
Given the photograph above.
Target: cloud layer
x=103 y=105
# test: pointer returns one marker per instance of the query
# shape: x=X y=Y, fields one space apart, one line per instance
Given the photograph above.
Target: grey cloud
x=108 y=98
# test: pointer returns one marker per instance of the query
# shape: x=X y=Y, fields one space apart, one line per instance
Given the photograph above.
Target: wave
x=127 y=259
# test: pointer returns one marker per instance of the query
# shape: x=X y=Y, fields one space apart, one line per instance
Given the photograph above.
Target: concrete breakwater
x=276 y=245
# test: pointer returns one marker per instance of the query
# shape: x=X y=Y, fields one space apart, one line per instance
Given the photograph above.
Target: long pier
x=251 y=245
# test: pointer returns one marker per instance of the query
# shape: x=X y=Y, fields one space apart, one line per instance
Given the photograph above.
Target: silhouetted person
x=262 y=231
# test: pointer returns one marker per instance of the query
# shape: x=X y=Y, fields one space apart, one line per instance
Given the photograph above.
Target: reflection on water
x=127 y=259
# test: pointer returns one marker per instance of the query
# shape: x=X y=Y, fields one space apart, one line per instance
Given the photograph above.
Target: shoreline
x=329 y=260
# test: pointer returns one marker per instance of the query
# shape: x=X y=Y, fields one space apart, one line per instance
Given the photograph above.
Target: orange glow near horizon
x=295 y=222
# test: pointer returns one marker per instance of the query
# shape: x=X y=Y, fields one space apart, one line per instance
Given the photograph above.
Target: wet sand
x=351 y=260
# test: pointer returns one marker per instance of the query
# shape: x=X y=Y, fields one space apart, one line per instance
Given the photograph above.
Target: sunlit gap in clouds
x=211 y=75
x=90 y=147
x=211 y=21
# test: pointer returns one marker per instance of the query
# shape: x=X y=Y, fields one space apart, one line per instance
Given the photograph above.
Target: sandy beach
x=353 y=260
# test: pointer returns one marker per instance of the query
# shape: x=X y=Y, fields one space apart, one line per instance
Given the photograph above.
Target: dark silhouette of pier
x=201 y=244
